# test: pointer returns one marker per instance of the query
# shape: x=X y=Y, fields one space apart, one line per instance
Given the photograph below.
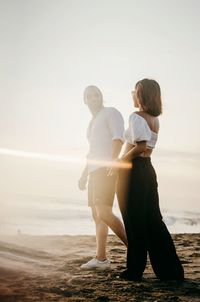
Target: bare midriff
x=146 y=153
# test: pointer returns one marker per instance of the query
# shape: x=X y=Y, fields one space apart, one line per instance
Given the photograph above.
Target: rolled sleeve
x=116 y=124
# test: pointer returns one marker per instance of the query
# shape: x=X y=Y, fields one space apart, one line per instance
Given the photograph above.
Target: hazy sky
x=51 y=49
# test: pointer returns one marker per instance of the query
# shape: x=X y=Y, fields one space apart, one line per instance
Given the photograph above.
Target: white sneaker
x=96 y=264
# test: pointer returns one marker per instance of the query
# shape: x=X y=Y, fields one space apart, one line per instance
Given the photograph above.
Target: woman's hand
x=111 y=171
x=114 y=170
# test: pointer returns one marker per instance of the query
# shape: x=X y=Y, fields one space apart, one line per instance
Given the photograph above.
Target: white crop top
x=139 y=130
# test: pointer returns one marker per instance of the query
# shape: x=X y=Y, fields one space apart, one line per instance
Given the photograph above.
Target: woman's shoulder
x=145 y=118
x=137 y=115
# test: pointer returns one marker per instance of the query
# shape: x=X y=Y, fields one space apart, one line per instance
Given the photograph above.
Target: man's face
x=93 y=100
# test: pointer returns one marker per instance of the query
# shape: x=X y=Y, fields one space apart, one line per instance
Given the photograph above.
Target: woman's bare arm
x=136 y=150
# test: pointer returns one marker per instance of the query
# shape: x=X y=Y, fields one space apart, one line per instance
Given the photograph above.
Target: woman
x=137 y=192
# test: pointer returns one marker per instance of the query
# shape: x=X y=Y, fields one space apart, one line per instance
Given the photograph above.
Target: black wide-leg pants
x=146 y=232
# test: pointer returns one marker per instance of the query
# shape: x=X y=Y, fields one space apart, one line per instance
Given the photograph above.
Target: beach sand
x=47 y=268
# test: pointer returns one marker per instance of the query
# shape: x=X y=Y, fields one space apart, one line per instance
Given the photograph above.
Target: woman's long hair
x=149 y=95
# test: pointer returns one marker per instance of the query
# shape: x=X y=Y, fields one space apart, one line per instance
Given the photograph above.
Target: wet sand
x=47 y=268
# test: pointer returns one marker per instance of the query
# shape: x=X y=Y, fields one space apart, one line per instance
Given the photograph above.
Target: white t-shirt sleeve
x=138 y=129
x=115 y=124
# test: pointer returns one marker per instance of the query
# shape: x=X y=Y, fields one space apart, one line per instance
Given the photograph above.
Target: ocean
x=43 y=215
x=41 y=197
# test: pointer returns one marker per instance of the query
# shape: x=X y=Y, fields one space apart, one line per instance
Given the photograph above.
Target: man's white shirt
x=106 y=126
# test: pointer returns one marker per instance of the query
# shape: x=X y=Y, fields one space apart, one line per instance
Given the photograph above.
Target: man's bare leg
x=106 y=215
x=101 y=235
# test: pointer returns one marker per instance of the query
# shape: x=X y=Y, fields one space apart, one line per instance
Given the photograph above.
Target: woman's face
x=135 y=98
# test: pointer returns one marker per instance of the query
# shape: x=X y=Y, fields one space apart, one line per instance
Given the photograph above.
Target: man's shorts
x=101 y=188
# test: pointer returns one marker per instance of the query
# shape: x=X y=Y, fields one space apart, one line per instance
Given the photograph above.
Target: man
x=105 y=136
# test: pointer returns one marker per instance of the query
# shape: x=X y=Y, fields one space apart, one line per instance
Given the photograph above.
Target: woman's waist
x=142 y=160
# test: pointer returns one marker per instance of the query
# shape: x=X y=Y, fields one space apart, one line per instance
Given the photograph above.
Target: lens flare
x=68 y=158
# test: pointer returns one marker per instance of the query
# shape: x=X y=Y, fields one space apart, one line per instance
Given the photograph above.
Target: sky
x=51 y=50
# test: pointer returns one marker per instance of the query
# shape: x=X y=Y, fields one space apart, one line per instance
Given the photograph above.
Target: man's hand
x=82 y=183
x=83 y=180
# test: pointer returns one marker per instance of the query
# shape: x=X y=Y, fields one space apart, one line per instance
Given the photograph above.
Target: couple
x=133 y=178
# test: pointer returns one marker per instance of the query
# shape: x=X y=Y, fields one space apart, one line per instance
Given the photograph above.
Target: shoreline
x=47 y=268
